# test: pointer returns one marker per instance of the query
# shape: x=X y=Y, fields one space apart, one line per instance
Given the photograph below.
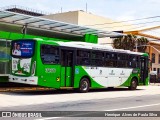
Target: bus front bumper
x=26 y=80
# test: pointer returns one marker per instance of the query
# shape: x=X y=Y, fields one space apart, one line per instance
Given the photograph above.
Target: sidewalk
x=154 y=84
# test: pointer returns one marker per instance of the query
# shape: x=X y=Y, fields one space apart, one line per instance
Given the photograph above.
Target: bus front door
x=143 y=69
x=67 y=63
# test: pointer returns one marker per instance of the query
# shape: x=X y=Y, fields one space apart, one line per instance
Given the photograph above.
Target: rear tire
x=133 y=84
x=84 y=85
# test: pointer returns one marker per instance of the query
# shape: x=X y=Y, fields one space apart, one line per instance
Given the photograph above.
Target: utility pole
x=86 y=7
x=61 y=9
x=24 y=29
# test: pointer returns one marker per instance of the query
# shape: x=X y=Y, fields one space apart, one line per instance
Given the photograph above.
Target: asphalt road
x=131 y=101
x=109 y=104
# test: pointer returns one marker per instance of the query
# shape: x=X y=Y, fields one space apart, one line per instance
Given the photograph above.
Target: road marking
x=133 y=107
x=108 y=110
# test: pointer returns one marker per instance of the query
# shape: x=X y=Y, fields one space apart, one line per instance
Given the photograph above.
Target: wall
x=157 y=53
x=155 y=65
x=69 y=17
x=90 y=20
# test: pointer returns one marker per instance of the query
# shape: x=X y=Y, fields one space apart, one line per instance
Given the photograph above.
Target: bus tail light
x=33 y=68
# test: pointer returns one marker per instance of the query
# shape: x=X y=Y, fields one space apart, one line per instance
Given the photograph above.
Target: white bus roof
x=85 y=45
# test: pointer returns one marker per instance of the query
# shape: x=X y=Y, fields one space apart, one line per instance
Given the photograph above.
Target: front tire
x=133 y=84
x=84 y=85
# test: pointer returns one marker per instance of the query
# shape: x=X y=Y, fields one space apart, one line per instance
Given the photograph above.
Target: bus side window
x=130 y=61
x=119 y=59
x=107 y=59
x=114 y=60
x=111 y=59
x=83 y=57
x=133 y=61
x=49 y=54
x=97 y=58
x=138 y=61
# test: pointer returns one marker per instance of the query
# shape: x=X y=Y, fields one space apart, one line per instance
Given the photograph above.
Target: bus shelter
x=19 y=26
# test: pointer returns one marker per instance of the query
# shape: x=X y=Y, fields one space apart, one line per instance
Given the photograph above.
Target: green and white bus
x=78 y=65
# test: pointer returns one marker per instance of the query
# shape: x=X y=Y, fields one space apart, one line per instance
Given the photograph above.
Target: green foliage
x=128 y=42
x=141 y=44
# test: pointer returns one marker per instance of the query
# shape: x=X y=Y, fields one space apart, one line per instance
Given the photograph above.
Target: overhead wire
x=139 y=19
x=131 y=24
x=125 y=21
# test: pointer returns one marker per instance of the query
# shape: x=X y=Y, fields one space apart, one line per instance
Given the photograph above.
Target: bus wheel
x=84 y=85
x=133 y=84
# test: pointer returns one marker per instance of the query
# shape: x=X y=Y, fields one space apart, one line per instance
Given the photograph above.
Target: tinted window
x=49 y=54
x=97 y=58
x=83 y=57
x=110 y=59
x=133 y=61
x=122 y=56
x=122 y=60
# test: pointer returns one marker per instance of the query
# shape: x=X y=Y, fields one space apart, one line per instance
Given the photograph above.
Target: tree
x=142 y=42
x=128 y=42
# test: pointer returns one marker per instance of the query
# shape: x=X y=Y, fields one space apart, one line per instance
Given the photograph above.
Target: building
x=153 y=47
x=24 y=10
x=24 y=24
x=83 y=18
x=80 y=18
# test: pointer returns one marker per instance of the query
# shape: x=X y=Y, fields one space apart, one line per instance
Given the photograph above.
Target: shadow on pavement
x=63 y=91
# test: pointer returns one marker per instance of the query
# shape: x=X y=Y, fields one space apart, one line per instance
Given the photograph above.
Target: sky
x=115 y=9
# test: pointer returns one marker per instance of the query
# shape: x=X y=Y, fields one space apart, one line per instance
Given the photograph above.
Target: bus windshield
x=23 y=48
